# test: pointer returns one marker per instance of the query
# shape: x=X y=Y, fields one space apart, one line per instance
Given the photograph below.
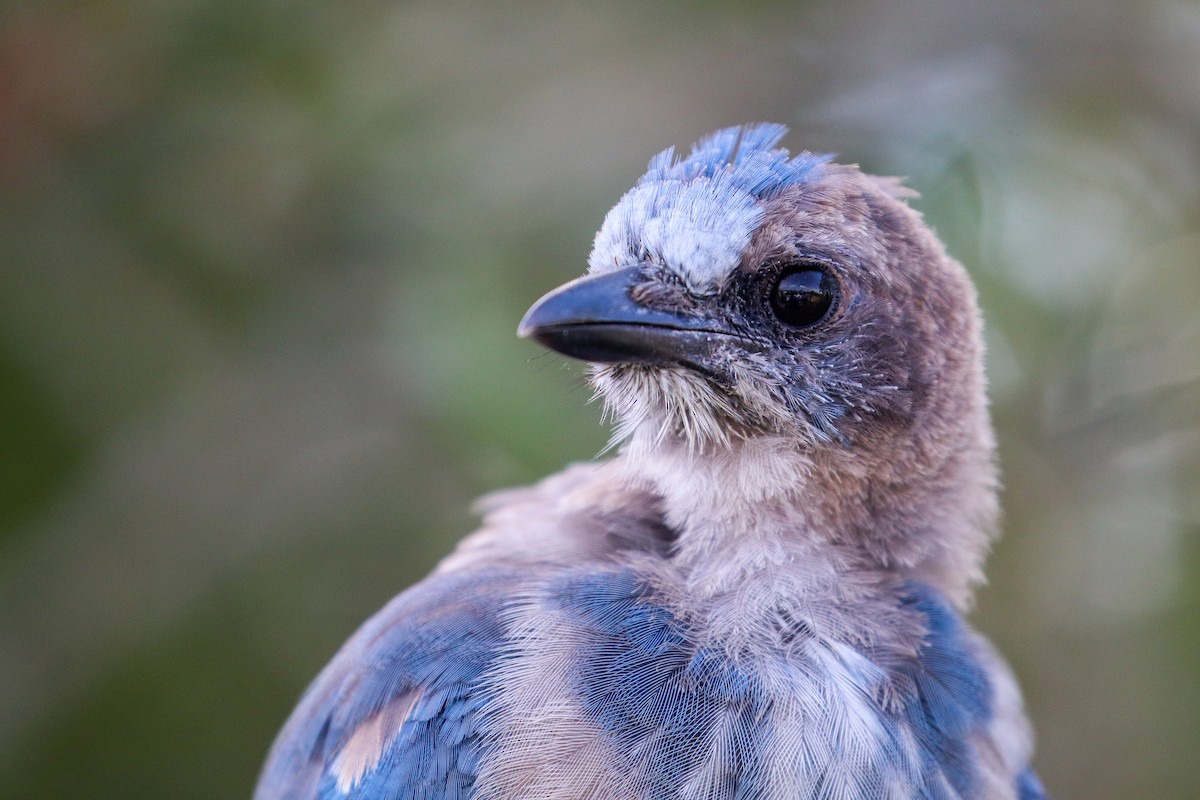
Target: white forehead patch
x=697 y=228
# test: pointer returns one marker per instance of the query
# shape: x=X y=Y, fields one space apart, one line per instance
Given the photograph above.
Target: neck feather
x=761 y=508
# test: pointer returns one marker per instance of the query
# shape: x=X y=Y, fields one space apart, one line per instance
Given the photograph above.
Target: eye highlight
x=803 y=295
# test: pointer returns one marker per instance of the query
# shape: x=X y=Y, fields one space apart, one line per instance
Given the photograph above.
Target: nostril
x=663 y=296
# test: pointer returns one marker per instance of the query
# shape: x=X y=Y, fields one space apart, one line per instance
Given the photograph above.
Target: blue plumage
x=428 y=652
x=654 y=694
x=951 y=693
x=745 y=156
x=1029 y=787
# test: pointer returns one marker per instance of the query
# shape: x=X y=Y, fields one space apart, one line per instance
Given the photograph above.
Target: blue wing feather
x=668 y=706
x=1029 y=787
x=656 y=695
x=425 y=653
x=953 y=695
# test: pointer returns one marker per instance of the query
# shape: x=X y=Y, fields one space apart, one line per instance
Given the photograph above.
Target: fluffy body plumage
x=761 y=595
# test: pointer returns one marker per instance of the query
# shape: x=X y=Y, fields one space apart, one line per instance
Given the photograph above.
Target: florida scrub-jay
x=761 y=595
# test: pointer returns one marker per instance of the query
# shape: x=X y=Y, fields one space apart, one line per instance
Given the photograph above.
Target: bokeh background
x=261 y=263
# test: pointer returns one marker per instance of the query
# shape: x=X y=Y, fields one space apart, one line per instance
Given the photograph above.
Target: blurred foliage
x=260 y=265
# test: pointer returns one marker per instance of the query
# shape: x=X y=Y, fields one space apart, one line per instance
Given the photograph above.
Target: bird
x=762 y=593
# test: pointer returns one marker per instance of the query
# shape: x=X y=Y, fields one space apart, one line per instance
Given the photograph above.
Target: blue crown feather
x=746 y=155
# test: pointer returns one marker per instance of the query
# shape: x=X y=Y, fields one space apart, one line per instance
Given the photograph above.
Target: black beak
x=594 y=319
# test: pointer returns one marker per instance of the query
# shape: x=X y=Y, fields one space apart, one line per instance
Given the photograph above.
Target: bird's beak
x=595 y=319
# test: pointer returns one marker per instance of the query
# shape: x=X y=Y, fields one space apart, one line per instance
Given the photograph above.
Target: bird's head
x=740 y=291
x=742 y=295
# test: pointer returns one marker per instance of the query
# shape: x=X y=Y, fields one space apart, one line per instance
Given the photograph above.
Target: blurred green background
x=261 y=264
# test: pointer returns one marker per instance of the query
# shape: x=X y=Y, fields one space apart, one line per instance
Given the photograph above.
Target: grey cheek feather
x=697 y=229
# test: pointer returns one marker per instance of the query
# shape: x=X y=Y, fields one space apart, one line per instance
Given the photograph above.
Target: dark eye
x=803 y=296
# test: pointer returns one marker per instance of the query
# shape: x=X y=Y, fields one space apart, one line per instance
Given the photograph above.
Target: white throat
x=749 y=561
x=736 y=509
x=735 y=486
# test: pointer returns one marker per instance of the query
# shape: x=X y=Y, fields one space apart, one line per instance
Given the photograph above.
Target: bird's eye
x=803 y=296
